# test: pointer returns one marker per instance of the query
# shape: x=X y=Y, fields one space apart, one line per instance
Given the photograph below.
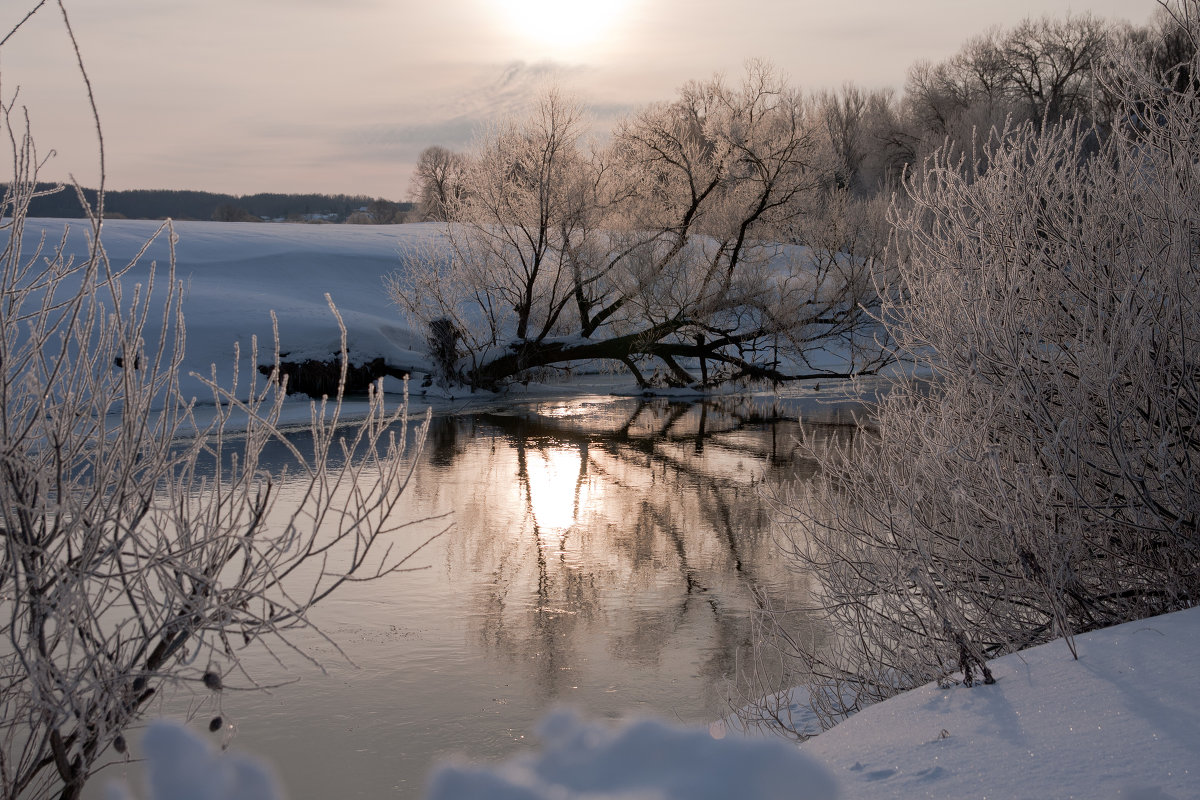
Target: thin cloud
x=453 y=119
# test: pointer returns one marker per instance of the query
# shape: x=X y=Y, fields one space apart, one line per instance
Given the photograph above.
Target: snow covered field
x=236 y=274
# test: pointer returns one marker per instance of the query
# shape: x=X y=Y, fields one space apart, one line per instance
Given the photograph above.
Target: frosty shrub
x=1038 y=473
x=143 y=541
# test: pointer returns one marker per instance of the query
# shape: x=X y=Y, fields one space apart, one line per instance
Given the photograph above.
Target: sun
x=560 y=28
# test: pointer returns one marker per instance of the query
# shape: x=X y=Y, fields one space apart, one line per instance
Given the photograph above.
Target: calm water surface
x=605 y=554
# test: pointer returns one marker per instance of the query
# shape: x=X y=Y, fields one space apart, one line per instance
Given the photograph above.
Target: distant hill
x=182 y=204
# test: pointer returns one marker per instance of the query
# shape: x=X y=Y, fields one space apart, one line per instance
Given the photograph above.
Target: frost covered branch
x=1036 y=476
x=145 y=542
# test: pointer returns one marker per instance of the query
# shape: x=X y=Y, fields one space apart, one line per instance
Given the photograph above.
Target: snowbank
x=1121 y=722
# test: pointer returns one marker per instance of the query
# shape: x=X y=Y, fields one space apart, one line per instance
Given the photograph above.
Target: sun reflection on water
x=558 y=490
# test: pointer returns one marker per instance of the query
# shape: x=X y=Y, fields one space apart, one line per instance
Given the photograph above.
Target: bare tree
x=1050 y=66
x=967 y=91
x=1044 y=70
x=518 y=220
x=1171 y=48
x=143 y=543
x=437 y=182
x=669 y=244
x=1037 y=475
x=868 y=142
x=506 y=269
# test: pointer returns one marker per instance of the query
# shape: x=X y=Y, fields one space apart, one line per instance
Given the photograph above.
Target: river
x=603 y=553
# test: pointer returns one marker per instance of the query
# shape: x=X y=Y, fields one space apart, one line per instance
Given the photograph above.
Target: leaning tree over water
x=678 y=240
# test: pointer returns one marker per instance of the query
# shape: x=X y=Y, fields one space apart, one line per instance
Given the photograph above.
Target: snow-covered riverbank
x=235 y=276
x=1121 y=722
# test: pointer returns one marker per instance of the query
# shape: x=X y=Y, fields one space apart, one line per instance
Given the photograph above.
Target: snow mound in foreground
x=183 y=766
x=645 y=759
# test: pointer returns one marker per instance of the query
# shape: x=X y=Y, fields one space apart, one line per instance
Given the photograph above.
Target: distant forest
x=177 y=204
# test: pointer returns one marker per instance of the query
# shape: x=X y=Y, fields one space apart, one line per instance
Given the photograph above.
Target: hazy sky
x=247 y=96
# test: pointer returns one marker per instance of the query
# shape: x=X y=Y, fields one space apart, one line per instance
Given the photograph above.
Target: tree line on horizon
x=198 y=205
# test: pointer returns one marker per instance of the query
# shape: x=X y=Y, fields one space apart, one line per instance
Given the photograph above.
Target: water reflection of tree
x=668 y=537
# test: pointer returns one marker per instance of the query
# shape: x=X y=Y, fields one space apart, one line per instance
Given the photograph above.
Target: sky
x=341 y=96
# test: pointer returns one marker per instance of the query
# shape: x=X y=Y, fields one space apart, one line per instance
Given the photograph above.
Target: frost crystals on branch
x=1039 y=474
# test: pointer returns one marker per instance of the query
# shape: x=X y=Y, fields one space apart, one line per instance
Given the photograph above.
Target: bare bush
x=1037 y=474
x=144 y=541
